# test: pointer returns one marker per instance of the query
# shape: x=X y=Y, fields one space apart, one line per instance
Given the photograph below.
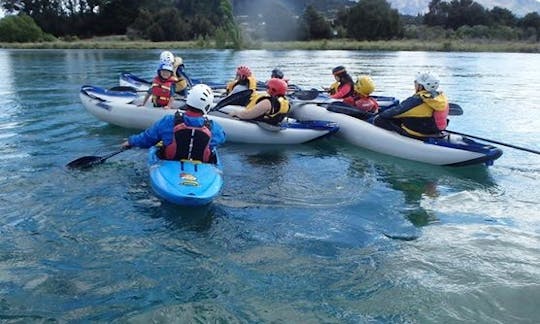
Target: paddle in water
x=86 y=162
x=495 y=142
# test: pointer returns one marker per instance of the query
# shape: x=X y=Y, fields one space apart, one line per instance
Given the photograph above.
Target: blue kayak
x=186 y=183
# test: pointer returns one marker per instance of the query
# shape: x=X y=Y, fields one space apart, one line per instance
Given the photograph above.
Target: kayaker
x=344 y=85
x=361 y=99
x=421 y=115
x=167 y=57
x=270 y=108
x=190 y=135
x=243 y=80
x=182 y=82
x=163 y=87
x=278 y=74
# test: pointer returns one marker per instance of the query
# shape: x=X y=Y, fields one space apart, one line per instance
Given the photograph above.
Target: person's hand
x=167 y=107
x=371 y=119
x=125 y=145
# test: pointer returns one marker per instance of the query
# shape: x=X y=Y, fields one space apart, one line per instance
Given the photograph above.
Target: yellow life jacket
x=280 y=108
x=249 y=82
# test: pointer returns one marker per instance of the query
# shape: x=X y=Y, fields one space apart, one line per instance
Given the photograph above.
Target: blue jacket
x=162 y=130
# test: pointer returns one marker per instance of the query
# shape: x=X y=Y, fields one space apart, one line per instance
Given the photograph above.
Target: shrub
x=21 y=28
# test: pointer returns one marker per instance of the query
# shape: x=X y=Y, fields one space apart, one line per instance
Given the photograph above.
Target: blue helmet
x=166 y=67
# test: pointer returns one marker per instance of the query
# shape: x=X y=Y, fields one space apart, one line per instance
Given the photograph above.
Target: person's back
x=270 y=108
x=243 y=80
x=185 y=136
x=361 y=99
x=421 y=115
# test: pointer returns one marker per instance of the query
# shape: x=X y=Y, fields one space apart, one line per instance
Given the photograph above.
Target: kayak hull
x=450 y=150
x=185 y=183
x=129 y=115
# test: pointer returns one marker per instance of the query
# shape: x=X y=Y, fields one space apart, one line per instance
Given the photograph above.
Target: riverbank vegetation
x=122 y=42
x=458 y=25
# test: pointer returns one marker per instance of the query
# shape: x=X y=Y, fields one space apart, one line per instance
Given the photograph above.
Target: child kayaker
x=163 y=87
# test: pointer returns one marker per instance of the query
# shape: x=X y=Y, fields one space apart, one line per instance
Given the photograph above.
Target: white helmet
x=428 y=80
x=166 y=57
x=200 y=97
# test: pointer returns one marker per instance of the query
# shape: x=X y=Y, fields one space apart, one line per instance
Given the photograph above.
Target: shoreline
x=393 y=45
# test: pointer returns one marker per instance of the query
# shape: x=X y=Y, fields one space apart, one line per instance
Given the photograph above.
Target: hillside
x=408 y=7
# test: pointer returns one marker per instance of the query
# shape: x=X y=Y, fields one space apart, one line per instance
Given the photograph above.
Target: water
x=322 y=232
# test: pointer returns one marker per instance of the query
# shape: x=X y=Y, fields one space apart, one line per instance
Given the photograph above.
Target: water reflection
x=196 y=218
x=417 y=182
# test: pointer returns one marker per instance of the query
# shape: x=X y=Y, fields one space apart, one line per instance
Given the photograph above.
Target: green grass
x=121 y=42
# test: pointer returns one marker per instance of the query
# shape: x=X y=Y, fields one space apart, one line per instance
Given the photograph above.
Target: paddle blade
x=91 y=160
x=455 y=110
x=306 y=94
x=85 y=162
x=240 y=98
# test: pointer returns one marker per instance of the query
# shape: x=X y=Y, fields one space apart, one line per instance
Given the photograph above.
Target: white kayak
x=450 y=150
x=129 y=115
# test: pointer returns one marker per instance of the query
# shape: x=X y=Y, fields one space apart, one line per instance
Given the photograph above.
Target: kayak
x=185 y=182
x=448 y=150
x=129 y=115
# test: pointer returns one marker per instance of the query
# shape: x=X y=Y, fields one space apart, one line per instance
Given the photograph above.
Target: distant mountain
x=518 y=7
x=407 y=7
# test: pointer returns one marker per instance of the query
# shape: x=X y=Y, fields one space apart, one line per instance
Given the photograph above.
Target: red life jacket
x=161 y=91
x=189 y=142
x=363 y=103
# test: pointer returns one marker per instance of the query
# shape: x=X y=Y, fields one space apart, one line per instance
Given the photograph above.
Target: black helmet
x=276 y=73
x=338 y=70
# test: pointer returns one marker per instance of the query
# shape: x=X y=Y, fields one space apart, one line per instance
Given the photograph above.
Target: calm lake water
x=317 y=233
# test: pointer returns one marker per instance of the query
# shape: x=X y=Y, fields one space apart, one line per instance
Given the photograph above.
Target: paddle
x=305 y=94
x=126 y=89
x=240 y=98
x=91 y=160
x=495 y=142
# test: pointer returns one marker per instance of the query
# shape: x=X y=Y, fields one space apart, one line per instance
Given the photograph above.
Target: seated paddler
x=424 y=114
x=270 y=107
x=187 y=136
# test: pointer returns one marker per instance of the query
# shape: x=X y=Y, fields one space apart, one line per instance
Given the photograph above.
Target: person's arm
x=218 y=134
x=171 y=98
x=342 y=92
x=148 y=93
x=260 y=109
x=404 y=106
x=153 y=134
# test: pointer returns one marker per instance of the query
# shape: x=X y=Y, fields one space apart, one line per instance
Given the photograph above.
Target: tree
x=373 y=20
x=20 y=28
x=315 y=25
x=466 y=12
x=437 y=14
x=503 y=16
x=531 y=24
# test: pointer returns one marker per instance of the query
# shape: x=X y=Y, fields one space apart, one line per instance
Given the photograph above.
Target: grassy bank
x=394 y=45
